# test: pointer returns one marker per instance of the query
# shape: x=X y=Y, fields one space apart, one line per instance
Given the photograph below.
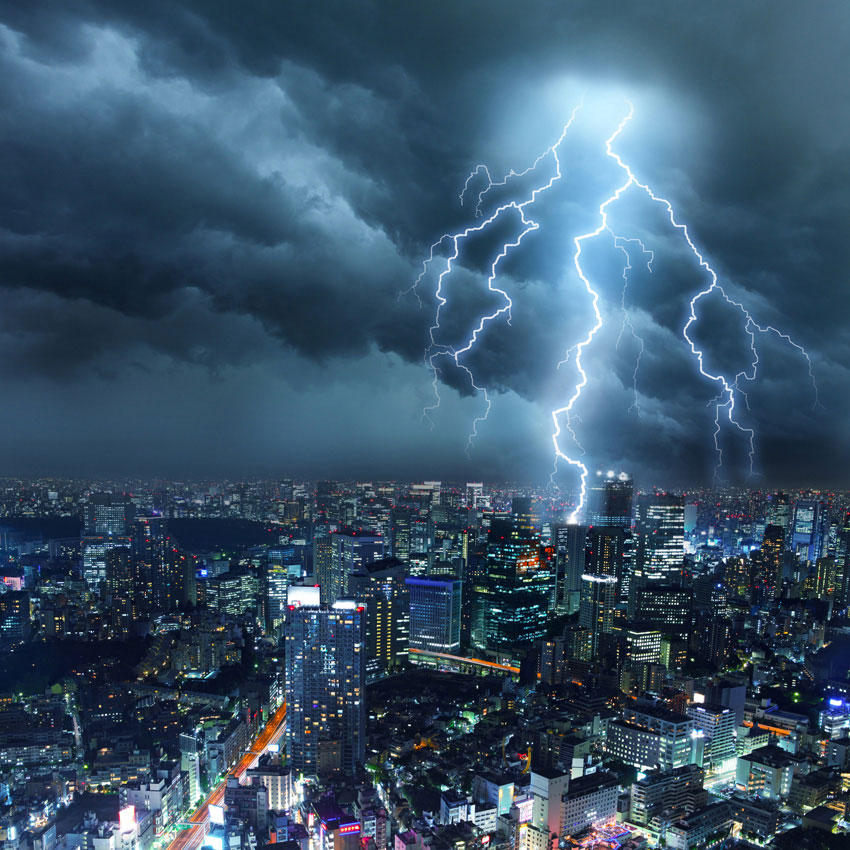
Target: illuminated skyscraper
x=569 y=542
x=514 y=596
x=667 y=607
x=604 y=551
x=772 y=556
x=325 y=677
x=609 y=501
x=842 y=560
x=474 y=495
x=660 y=550
x=348 y=552
x=400 y=530
x=596 y=609
x=809 y=529
x=435 y=613
x=737 y=575
x=108 y=515
x=779 y=511
x=95 y=549
x=276 y=582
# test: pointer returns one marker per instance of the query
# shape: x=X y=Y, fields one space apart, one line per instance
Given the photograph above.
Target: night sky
x=209 y=211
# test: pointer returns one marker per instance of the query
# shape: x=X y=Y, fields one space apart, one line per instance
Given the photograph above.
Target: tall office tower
x=283 y=565
x=323 y=560
x=275 y=586
x=513 y=598
x=400 y=532
x=381 y=589
x=660 y=538
x=809 y=529
x=108 y=515
x=325 y=678
x=95 y=549
x=667 y=607
x=596 y=609
x=773 y=553
x=158 y=571
x=604 y=551
x=779 y=511
x=569 y=542
x=435 y=613
x=609 y=501
x=842 y=560
x=350 y=551
x=473 y=587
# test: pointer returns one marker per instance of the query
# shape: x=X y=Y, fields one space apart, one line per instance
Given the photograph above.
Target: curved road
x=190 y=839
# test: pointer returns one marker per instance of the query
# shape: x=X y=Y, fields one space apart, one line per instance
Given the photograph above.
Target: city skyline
x=424 y=425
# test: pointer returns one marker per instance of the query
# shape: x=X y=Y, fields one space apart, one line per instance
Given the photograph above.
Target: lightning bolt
x=725 y=403
x=578 y=349
x=729 y=388
x=435 y=349
x=621 y=243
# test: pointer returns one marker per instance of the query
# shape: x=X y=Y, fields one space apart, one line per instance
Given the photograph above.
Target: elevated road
x=193 y=837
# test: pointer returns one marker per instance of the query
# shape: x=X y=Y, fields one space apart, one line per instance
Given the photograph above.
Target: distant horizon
x=351 y=482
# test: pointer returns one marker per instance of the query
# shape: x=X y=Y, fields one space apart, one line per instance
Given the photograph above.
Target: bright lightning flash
x=622 y=243
x=435 y=349
x=725 y=403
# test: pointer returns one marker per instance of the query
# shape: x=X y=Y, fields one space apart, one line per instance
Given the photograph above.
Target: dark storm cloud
x=245 y=190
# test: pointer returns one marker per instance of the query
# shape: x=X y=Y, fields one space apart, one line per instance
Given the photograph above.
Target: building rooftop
x=771 y=755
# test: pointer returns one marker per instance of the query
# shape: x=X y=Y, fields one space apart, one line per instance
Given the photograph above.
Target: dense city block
x=366 y=666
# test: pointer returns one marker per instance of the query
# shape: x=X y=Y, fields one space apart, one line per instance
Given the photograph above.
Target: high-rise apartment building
x=159 y=582
x=380 y=587
x=325 y=678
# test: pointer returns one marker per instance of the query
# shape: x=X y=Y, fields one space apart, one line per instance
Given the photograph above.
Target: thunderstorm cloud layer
x=208 y=216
